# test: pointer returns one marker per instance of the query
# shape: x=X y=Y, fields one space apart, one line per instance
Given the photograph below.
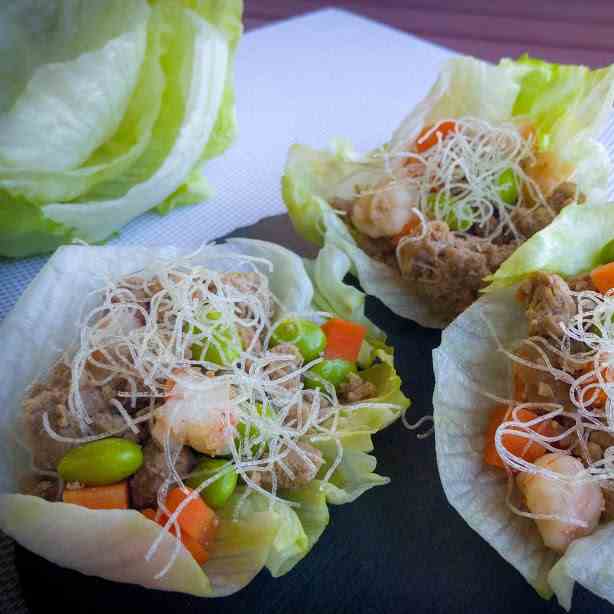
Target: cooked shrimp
x=200 y=413
x=385 y=210
x=581 y=502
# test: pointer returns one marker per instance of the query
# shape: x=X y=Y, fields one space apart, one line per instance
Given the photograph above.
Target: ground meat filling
x=356 y=389
x=101 y=393
x=146 y=482
x=52 y=400
x=278 y=370
x=550 y=304
x=448 y=268
x=298 y=471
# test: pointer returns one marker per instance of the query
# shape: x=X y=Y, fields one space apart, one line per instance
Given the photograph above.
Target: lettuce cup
x=488 y=158
x=523 y=408
x=182 y=420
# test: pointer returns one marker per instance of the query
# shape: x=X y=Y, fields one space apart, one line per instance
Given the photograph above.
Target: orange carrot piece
x=516 y=444
x=112 y=497
x=191 y=545
x=150 y=513
x=429 y=137
x=601 y=395
x=603 y=277
x=196 y=549
x=197 y=519
x=343 y=339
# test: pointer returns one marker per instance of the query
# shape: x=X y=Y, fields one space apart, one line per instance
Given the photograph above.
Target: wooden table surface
x=569 y=31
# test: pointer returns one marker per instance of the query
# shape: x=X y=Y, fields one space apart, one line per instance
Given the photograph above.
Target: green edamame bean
x=217 y=493
x=224 y=346
x=101 y=462
x=507 y=186
x=606 y=254
x=307 y=336
x=333 y=371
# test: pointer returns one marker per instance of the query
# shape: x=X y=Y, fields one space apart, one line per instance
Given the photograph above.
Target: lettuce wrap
x=254 y=531
x=158 y=79
x=368 y=205
x=474 y=373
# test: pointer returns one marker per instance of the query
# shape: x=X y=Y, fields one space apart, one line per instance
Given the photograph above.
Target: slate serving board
x=398 y=548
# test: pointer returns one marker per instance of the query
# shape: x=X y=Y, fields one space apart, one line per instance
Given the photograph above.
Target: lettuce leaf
x=561 y=101
x=468 y=363
x=466 y=87
x=250 y=537
x=298 y=528
x=327 y=273
x=108 y=543
x=570 y=245
x=47 y=126
x=145 y=146
x=113 y=157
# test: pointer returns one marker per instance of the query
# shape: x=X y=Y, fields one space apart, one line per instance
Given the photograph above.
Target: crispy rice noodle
x=458 y=178
x=142 y=333
x=586 y=352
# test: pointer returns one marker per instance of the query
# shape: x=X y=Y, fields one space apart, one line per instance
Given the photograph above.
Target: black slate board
x=398 y=548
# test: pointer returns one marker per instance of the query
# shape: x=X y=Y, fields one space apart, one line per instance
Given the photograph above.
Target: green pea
x=307 y=336
x=333 y=371
x=101 y=462
x=224 y=345
x=606 y=254
x=215 y=495
x=508 y=187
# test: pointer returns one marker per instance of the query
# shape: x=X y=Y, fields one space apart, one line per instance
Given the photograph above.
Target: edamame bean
x=215 y=495
x=507 y=186
x=307 y=336
x=333 y=371
x=101 y=462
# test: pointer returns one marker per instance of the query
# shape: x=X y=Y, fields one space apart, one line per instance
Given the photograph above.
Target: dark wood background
x=568 y=31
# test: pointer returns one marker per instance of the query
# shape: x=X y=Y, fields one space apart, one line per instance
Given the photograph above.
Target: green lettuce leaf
x=48 y=126
x=561 y=101
x=467 y=364
x=251 y=536
x=466 y=87
x=570 y=245
x=298 y=527
x=113 y=157
x=173 y=112
x=111 y=544
x=327 y=273
x=288 y=280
